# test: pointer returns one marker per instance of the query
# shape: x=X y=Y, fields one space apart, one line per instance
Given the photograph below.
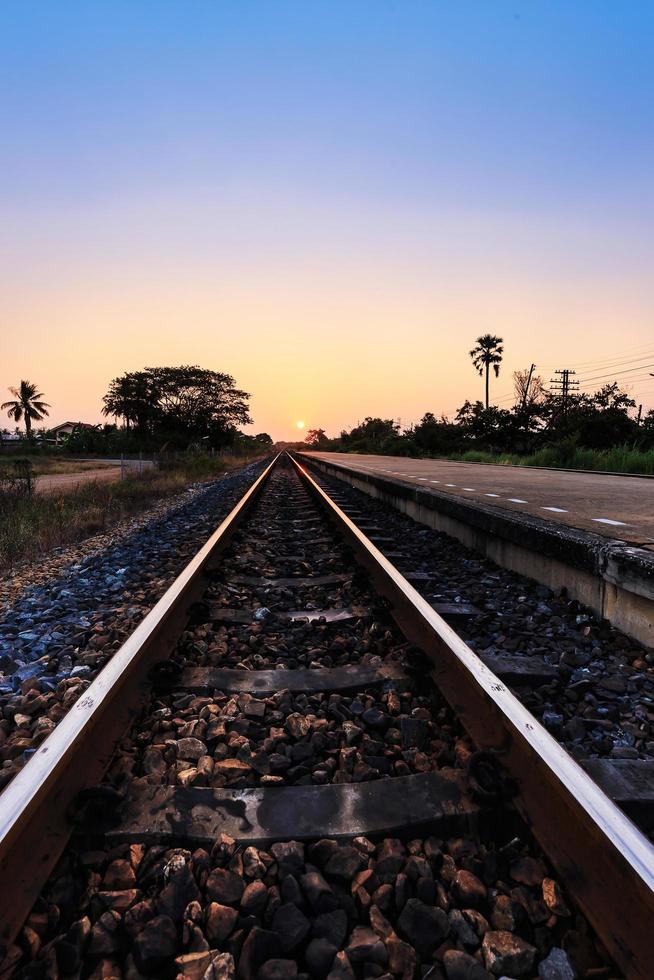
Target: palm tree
x=27 y=404
x=488 y=351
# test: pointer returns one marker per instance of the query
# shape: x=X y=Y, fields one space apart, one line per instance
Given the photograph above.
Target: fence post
x=122 y=466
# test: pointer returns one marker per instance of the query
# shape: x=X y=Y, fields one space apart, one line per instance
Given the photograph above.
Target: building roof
x=74 y=425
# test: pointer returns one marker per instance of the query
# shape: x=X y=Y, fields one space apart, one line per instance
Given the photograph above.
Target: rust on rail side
x=606 y=862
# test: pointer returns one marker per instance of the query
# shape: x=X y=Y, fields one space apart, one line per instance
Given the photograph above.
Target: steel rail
x=34 y=821
x=604 y=860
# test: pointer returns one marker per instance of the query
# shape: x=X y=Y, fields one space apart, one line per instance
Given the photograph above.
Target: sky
x=328 y=200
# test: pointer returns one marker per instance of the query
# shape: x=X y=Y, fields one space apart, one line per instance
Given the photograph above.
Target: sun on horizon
x=299 y=424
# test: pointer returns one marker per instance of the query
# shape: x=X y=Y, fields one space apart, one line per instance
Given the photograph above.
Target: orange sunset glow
x=333 y=245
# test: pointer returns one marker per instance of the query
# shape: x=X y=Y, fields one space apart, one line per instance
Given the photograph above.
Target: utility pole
x=526 y=391
x=565 y=386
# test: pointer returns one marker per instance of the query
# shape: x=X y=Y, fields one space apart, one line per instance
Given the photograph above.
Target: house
x=59 y=433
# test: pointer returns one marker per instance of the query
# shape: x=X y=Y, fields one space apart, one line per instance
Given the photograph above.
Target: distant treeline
x=157 y=409
x=582 y=432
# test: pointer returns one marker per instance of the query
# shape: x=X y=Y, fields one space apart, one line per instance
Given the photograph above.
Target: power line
x=607 y=365
x=615 y=374
x=628 y=360
x=634 y=380
x=616 y=364
x=629 y=353
x=619 y=354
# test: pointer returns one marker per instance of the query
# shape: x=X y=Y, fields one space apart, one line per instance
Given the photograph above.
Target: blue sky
x=245 y=184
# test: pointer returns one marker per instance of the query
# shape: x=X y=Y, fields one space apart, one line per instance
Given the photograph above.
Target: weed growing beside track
x=32 y=525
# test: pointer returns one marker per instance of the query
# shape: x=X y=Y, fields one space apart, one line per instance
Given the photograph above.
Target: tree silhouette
x=184 y=405
x=489 y=350
x=315 y=437
x=26 y=405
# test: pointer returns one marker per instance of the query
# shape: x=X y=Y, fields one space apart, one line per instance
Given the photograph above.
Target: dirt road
x=69 y=481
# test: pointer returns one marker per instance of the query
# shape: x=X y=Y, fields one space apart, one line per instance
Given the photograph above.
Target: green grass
x=620 y=459
x=32 y=526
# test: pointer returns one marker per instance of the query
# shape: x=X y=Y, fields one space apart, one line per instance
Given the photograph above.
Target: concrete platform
x=607 y=504
x=611 y=575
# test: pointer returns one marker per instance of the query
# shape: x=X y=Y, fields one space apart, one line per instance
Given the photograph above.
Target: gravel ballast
x=60 y=631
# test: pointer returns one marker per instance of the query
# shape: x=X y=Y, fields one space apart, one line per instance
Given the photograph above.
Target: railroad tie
x=629 y=783
x=516 y=669
x=247 y=616
x=292 y=582
x=267 y=682
x=260 y=816
x=455 y=610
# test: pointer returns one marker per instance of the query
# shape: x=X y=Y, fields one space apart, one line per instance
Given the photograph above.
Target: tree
x=26 y=405
x=528 y=391
x=487 y=428
x=612 y=397
x=241 y=443
x=179 y=405
x=315 y=437
x=594 y=421
x=132 y=398
x=436 y=435
x=488 y=350
x=375 y=432
x=602 y=419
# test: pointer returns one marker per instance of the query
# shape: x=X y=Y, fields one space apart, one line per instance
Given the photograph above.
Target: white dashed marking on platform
x=556 y=510
x=517 y=500
x=469 y=489
x=434 y=481
x=450 y=484
x=491 y=495
x=607 y=520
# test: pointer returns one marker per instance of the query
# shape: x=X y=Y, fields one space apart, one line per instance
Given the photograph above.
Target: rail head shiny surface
x=617 y=853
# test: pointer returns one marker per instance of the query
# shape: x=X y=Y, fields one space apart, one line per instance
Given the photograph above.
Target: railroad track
x=590 y=686
x=292 y=686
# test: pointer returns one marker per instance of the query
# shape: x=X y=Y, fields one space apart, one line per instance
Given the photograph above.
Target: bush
x=568 y=455
x=16 y=479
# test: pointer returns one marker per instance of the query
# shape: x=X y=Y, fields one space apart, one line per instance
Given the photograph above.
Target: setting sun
x=300 y=424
